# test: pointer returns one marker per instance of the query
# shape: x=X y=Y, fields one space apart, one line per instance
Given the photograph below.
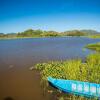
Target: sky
x=57 y=15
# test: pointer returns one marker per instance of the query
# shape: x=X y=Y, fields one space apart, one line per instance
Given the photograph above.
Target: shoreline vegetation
x=88 y=71
x=95 y=36
x=95 y=47
x=30 y=33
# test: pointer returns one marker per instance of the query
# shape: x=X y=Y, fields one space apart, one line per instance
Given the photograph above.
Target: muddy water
x=17 y=82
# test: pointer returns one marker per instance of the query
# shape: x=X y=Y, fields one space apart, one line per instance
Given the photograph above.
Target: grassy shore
x=94 y=36
x=73 y=70
x=95 y=47
x=10 y=38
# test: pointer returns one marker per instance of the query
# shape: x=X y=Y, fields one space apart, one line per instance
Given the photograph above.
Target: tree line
x=41 y=33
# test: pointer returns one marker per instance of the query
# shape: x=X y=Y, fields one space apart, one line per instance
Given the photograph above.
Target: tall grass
x=73 y=70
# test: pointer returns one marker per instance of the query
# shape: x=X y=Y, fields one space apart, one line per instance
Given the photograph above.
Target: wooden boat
x=76 y=87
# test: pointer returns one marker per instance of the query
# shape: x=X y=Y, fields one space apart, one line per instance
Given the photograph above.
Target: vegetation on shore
x=30 y=33
x=95 y=47
x=94 y=36
x=73 y=70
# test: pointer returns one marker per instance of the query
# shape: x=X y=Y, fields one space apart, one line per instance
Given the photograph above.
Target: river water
x=17 y=55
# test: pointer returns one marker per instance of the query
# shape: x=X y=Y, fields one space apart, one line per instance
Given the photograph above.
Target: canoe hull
x=76 y=87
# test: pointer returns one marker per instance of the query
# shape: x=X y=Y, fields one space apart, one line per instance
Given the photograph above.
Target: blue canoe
x=76 y=87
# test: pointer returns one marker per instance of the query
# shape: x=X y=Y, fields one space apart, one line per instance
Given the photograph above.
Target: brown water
x=17 y=56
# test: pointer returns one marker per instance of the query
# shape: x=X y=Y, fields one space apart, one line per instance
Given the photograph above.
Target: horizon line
x=54 y=30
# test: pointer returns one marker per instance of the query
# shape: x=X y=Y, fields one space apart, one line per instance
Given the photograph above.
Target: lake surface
x=18 y=55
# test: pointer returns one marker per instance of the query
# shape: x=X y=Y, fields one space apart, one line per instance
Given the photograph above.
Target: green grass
x=95 y=47
x=73 y=70
x=94 y=36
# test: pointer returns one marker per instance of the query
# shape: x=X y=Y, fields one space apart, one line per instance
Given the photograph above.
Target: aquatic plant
x=73 y=70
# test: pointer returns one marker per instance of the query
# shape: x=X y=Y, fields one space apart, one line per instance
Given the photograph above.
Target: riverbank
x=72 y=70
x=86 y=36
x=39 y=37
x=94 y=36
x=95 y=47
x=21 y=37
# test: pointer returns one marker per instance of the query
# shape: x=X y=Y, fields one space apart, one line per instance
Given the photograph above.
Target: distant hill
x=42 y=33
x=80 y=32
x=90 y=32
x=74 y=33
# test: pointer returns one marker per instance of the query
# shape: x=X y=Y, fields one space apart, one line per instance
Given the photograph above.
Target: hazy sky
x=58 y=15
